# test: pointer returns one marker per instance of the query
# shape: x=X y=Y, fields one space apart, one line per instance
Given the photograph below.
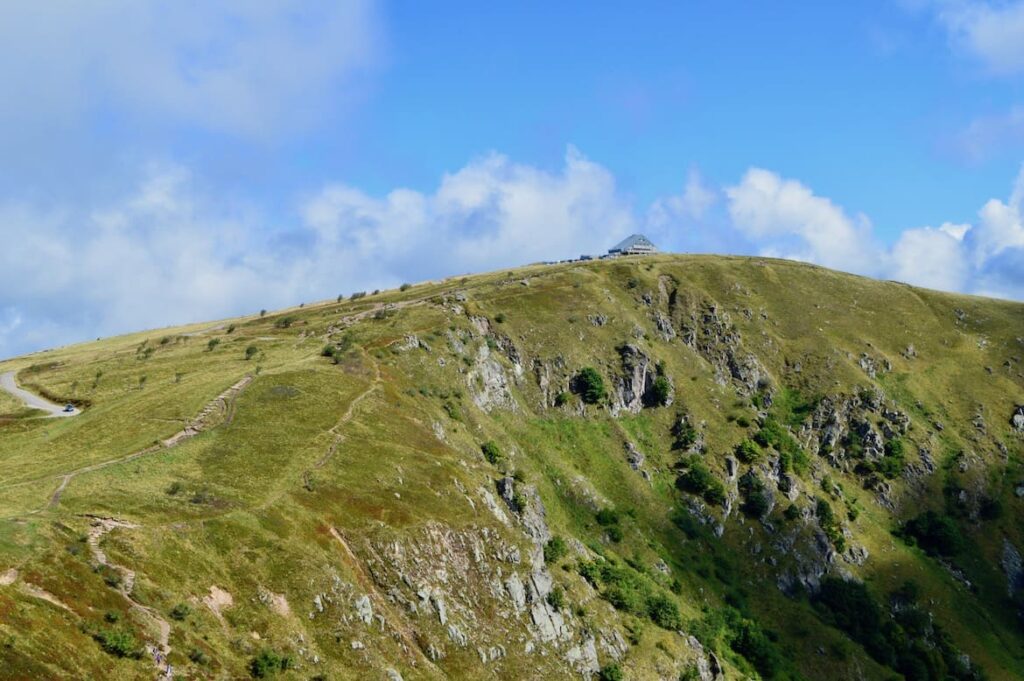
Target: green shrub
x=198 y=656
x=791 y=455
x=285 y=322
x=491 y=452
x=500 y=318
x=405 y=287
x=554 y=550
x=268 y=663
x=119 y=643
x=174 y=488
x=180 y=612
x=937 y=535
x=607 y=517
x=214 y=342
x=231 y=328
x=755 y=496
x=615 y=533
x=251 y=352
x=661 y=391
x=610 y=672
x=748 y=451
x=830 y=525
x=556 y=598
x=684 y=435
x=664 y=612
x=590 y=385
x=698 y=479
x=561 y=399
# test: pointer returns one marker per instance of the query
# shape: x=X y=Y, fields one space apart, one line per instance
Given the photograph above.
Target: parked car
x=68 y=408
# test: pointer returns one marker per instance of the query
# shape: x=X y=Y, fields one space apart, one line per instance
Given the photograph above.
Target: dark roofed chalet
x=637 y=244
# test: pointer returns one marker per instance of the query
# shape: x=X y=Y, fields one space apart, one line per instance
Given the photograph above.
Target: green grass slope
x=418 y=484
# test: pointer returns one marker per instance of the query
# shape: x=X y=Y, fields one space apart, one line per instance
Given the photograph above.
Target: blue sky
x=163 y=162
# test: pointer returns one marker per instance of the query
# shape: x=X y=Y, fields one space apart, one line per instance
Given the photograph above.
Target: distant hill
x=660 y=467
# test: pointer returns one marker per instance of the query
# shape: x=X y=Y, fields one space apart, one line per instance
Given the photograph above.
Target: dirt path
x=223 y=403
x=161 y=627
x=335 y=431
x=9 y=383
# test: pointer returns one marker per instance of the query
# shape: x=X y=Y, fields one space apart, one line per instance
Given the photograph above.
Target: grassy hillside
x=426 y=484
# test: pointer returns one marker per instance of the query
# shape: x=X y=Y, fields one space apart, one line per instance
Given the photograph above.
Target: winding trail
x=9 y=383
x=335 y=430
x=222 y=405
x=162 y=628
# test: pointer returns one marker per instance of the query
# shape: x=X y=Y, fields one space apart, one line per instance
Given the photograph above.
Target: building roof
x=633 y=241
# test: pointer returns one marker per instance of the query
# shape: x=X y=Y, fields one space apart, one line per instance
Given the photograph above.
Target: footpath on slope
x=222 y=405
x=9 y=384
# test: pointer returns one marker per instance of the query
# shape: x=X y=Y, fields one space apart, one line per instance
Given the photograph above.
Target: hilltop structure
x=635 y=244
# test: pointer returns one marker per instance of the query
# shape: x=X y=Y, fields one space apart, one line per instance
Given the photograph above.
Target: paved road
x=9 y=384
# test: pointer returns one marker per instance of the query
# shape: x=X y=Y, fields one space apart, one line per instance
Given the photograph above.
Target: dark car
x=68 y=408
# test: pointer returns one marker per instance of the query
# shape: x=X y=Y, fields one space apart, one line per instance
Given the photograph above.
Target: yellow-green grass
x=248 y=505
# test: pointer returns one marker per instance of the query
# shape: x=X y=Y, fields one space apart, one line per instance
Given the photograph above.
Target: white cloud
x=993 y=33
x=236 y=66
x=167 y=252
x=932 y=258
x=789 y=220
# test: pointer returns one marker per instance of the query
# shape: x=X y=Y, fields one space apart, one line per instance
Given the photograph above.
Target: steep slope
x=665 y=467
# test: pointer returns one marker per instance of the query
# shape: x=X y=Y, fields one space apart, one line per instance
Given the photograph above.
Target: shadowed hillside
x=667 y=467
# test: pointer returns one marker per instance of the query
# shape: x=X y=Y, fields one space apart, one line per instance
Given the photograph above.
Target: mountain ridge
x=426 y=483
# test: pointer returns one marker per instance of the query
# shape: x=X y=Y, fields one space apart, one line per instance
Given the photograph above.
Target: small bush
x=556 y=598
x=755 y=496
x=263 y=313
x=607 y=517
x=214 y=342
x=491 y=452
x=937 y=535
x=285 y=322
x=119 y=643
x=554 y=550
x=174 y=488
x=405 y=287
x=664 y=612
x=590 y=385
x=500 y=318
x=698 y=479
x=748 y=451
x=611 y=672
x=251 y=352
x=231 y=328
x=268 y=663
x=561 y=399
x=198 y=656
x=661 y=391
x=180 y=612
x=684 y=435
x=830 y=525
x=615 y=533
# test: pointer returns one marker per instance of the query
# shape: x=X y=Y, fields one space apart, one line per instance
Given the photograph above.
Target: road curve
x=9 y=384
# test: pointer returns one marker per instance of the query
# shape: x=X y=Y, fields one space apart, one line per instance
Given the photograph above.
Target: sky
x=171 y=161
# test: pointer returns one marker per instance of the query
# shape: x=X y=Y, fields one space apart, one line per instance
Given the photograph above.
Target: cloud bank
x=166 y=252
